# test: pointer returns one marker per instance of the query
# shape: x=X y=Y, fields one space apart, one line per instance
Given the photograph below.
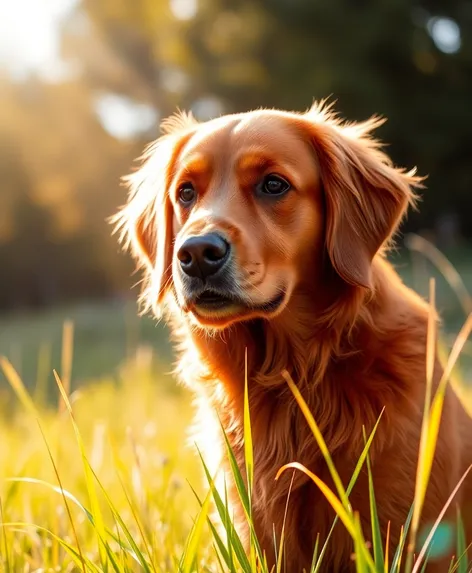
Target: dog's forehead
x=265 y=131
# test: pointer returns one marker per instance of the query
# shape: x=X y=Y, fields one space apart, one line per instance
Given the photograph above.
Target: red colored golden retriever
x=266 y=231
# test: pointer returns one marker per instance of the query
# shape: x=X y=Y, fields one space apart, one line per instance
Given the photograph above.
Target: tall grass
x=97 y=483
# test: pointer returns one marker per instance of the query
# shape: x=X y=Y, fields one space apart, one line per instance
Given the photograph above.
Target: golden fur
x=349 y=332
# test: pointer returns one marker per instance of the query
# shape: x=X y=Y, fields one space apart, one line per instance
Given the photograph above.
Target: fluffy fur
x=350 y=333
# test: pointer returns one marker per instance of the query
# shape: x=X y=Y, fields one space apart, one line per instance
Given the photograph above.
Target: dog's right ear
x=365 y=195
x=144 y=223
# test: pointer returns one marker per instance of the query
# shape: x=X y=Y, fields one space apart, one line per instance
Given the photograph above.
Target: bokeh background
x=83 y=87
x=84 y=84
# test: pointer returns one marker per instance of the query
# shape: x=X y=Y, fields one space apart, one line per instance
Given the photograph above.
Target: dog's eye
x=187 y=193
x=274 y=185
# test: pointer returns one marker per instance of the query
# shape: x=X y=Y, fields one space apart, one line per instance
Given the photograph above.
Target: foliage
x=60 y=167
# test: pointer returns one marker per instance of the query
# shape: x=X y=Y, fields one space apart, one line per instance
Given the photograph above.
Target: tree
x=372 y=56
x=61 y=167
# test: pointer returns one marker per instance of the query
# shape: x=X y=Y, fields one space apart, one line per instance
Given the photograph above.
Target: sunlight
x=184 y=9
x=446 y=34
x=124 y=118
x=29 y=36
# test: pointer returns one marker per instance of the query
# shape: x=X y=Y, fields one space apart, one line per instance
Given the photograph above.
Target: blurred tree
x=25 y=232
x=62 y=155
x=373 y=56
x=60 y=172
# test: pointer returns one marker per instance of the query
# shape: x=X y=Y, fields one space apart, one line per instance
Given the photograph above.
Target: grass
x=97 y=476
x=133 y=434
x=105 y=333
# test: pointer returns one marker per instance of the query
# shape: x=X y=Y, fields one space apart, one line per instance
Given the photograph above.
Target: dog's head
x=233 y=215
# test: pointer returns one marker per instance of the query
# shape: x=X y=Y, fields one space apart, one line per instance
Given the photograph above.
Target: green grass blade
x=136 y=551
x=346 y=517
x=461 y=549
x=119 y=466
x=16 y=383
x=352 y=482
x=379 y=559
x=397 y=558
x=441 y=262
x=224 y=516
x=238 y=478
x=361 y=563
x=5 y=552
x=335 y=503
x=189 y=557
x=74 y=554
x=429 y=435
x=387 y=546
x=54 y=488
x=243 y=495
x=425 y=564
x=67 y=358
x=249 y=461
x=319 y=440
x=92 y=493
x=74 y=500
x=457 y=348
x=230 y=533
x=463 y=559
x=314 y=559
x=138 y=523
x=218 y=558
x=363 y=456
x=248 y=448
x=221 y=547
x=280 y=553
x=426 y=544
x=59 y=481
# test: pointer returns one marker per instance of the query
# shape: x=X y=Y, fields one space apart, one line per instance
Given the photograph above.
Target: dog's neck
x=304 y=340
x=322 y=353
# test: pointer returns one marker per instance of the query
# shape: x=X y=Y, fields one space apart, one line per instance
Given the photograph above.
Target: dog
x=262 y=237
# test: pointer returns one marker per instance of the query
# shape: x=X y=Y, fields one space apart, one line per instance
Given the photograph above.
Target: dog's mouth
x=211 y=302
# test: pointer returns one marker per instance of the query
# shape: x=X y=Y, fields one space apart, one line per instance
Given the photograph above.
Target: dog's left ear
x=145 y=221
x=365 y=195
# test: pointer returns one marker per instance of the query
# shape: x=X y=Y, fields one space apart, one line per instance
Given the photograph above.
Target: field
x=132 y=420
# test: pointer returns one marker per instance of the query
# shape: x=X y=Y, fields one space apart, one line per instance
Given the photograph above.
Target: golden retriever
x=266 y=232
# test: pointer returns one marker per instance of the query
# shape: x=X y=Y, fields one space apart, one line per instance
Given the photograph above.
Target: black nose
x=203 y=256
